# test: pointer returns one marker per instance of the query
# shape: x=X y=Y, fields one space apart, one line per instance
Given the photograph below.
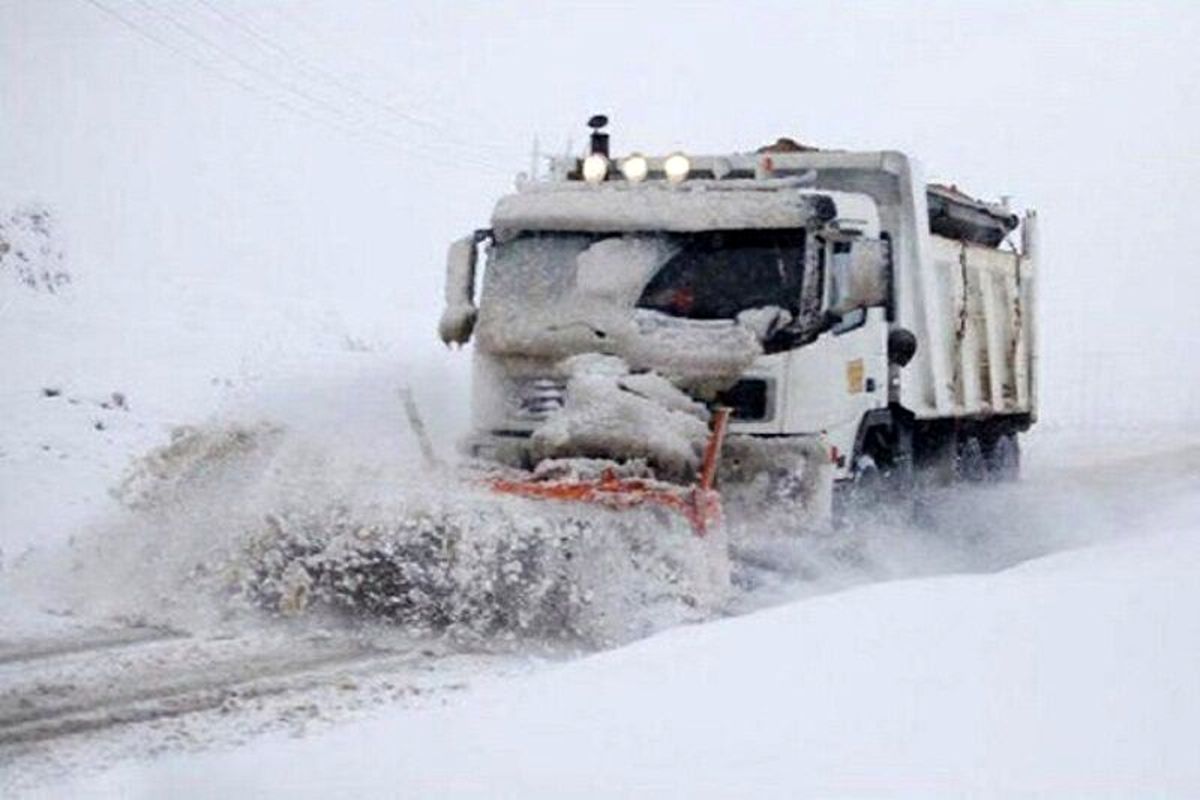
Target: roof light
x=595 y=168
x=635 y=168
x=677 y=167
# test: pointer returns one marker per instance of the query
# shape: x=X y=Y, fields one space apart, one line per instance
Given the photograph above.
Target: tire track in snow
x=177 y=676
x=35 y=650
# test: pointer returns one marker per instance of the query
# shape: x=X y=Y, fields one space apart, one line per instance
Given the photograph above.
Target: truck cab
x=857 y=321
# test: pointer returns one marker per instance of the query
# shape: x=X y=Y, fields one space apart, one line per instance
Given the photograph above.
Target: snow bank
x=1069 y=675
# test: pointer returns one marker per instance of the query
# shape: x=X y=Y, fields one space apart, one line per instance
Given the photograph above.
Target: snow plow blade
x=699 y=503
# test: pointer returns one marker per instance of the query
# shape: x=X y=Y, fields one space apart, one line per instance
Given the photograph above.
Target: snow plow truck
x=800 y=322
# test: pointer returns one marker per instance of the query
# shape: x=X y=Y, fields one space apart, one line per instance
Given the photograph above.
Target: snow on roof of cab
x=700 y=205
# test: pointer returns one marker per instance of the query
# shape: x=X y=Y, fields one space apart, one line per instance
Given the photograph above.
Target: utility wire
x=292 y=88
x=308 y=66
x=198 y=62
x=365 y=62
x=338 y=120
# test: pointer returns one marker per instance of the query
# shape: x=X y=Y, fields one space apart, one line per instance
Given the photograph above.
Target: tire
x=938 y=461
x=859 y=496
x=868 y=485
x=971 y=464
x=1004 y=458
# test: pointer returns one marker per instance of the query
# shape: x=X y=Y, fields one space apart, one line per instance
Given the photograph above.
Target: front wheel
x=881 y=490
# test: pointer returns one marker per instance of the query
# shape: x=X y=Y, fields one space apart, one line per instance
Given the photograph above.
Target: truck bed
x=987 y=296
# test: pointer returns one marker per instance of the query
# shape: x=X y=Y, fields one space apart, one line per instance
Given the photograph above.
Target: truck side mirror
x=901 y=346
x=458 y=317
x=858 y=275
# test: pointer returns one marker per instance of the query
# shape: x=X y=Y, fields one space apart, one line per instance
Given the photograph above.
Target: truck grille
x=538 y=398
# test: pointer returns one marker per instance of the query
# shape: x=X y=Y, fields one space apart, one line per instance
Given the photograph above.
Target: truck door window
x=839 y=273
x=717 y=275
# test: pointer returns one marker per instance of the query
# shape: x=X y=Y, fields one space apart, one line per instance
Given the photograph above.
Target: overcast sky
x=333 y=149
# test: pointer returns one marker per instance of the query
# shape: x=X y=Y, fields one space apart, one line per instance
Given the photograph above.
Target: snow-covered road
x=80 y=700
x=1039 y=638
x=65 y=686
x=1069 y=674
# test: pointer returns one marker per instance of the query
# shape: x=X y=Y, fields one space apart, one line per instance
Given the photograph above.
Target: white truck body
x=968 y=304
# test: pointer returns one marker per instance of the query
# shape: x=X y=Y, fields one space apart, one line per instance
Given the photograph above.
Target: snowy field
x=213 y=258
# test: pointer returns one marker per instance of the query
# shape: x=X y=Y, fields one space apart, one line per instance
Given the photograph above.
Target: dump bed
x=986 y=294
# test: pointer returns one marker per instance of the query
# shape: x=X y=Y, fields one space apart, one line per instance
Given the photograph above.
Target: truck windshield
x=710 y=275
x=717 y=275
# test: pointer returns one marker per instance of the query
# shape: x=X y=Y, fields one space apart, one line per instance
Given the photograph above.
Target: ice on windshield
x=551 y=295
x=617 y=268
x=713 y=275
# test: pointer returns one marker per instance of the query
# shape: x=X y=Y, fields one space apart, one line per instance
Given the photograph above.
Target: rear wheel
x=972 y=463
x=1004 y=458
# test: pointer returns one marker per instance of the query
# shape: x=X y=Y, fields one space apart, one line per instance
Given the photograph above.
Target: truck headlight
x=595 y=168
x=635 y=169
x=677 y=167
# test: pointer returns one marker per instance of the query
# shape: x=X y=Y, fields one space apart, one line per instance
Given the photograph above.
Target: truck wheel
x=868 y=482
x=1004 y=458
x=860 y=495
x=972 y=463
x=938 y=461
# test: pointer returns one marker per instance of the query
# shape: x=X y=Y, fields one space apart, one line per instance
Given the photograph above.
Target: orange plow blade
x=699 y=503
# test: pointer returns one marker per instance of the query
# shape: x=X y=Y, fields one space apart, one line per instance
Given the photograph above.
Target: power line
x=379 y=138
x=198 y=62
x=363 y=62
x=304 y=65
x=281 y=11
x=290 y=87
